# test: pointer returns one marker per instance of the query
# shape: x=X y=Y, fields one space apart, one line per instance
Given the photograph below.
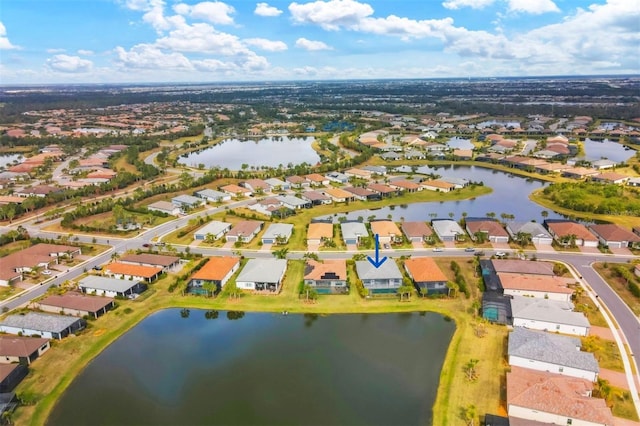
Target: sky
x=147 y=41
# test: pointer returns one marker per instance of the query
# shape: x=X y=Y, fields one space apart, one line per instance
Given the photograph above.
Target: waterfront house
x=426 y=275
x=438 y=185
x=43 y=325
x=76 y=304
x=388 y=231
x=611 y=177
x=166 y=263
x=214 y=229
x=11 y=375
x=110 y=287
x=244 y=231
x=338 y=195
x=493 y=231
x=554 y=353
x=277 y=233
x=548 y=315
x=565 y=231
x=536 y=397
x=362 y=194
x=403 y=185
x=316 y=198
x=327 y=277
x=615 y=236
x=539 y=235
x=382 y=189
x=126 y=271
x=23 y=350
x=447 y=230
x=352 y=232
x=217 y=271
x=385 y=279
x=417 y=231
x=262 y=275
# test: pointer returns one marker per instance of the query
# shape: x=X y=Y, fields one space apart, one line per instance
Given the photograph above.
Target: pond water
x=269 y=152
x=595 y=150
x=459 y=143
x=510 y=195
x=7 y=160
x=264 y=369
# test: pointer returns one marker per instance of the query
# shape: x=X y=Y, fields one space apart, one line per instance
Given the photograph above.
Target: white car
x=438 y=249
x=501 y=254
x=46 y=272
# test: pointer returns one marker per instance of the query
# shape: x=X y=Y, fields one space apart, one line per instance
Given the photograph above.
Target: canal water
x=263 y=369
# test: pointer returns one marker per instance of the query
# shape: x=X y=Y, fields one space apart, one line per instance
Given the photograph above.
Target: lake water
x=264 y=369
x=595 y=150
x=269 y=152
x=8 y=159
x=510 y=195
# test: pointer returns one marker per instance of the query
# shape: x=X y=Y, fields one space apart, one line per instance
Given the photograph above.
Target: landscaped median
x=52 y=374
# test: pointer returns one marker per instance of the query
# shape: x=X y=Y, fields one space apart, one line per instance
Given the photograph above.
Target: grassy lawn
x=605 y=351
x=13 y=247
x=584 y=304
x=52 y=373
x=618 y=285
x=622 y=404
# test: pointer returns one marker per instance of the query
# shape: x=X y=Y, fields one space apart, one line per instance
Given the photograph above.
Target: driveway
x=622 y=251
x=593 y=250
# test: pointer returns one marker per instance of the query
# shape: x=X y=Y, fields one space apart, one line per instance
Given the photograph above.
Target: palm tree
x=281 y=253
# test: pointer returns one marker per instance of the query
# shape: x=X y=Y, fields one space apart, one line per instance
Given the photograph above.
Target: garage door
x=267 y=241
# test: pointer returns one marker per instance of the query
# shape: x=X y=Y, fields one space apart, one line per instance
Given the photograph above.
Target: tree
x=469 y=414
x=184 y=313
x=424 y=292
x=232 y=290
x=210 y=287
x=211 y=314
x=544 y=214
x=281 y=253
x=470 y=369
x=310 y=292
x=405 y=289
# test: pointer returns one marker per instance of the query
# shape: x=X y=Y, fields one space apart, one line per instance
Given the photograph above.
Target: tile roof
x=385 y=228
x=567 y=228
x=30 y=257
x=318 y=270
x=133 y=270
x=424 y=269
x=556 y=394
x=245 y=227
x=77 y=301
x=337 y=193
x=388 y=270
x=263 y=270
x=320 y=230
x=150 y=259
x=493 y=228
x=380 y=187
x=541 y=283
x=613 y=232
x=20 y=346
x=416 y=229
x=216 y=268
x=40 y=322
x=522 y=267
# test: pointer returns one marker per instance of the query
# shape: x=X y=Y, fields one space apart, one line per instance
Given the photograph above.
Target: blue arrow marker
x=378 y=261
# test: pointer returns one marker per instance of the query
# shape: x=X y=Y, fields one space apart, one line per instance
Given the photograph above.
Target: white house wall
x=544 y=417
x=550 y=326
x=552 y=368
x=563 y=297
x=26 y=332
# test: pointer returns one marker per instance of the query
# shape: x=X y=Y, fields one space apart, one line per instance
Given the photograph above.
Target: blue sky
x=101 y=41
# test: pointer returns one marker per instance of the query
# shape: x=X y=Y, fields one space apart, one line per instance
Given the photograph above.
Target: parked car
x=146 y=245
x=501 y=254
x=438 y=249
x=97 y=268
x=386 y=246
x=46 y=272
x=470 y=249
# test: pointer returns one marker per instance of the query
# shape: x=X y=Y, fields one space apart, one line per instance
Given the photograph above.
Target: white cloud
x=534 y=7
x=5 y=44
x=263 y=9
x=69 y=64
x=215 y=12
x=331 y=15
x=312 y=45
x=202 y=38
x=473 y=4
x=146 y=56
x=268 y=45
x=56 y=50
x=85 y=52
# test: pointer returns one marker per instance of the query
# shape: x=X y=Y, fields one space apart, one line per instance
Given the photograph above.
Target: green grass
x=622 y=404
x=13 y=247
x=605 y=351
x=619 y=286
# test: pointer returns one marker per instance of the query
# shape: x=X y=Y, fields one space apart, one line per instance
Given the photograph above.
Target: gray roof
x=40 y=322
x=533 y=228
x=555 y=311
x=186 y=199
x=291 y=200
x=353 y=230
x=272 y=182
x=376 y=169
x=263 y=270
x=446 y=227
x=551 y=348
x=388 y=270
x=211 y=193
x=278 y=230
x=214 y=227
x=108 y=284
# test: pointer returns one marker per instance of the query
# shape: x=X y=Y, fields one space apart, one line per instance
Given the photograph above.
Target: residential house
x=579 y=172
x=213 y=230
x=277 y=185
x=547 y=398
x=603 y=164
x=110 y=287
x=337 y=177
x=256 y=186
x=165 y=207
x=447 y=230
x=611 y=177
x=166 y=263
x=244 y=231
x=39 y=191
x=187 y=202
x=493 y=231
x=43 y=325
x=14 y=265
x=327 y=277
x=385 y=279
x=550 y=352
x=392 y=156
x=438 y=185
x=352 y=232
x=362 y=194
x=387 y=231
x=402 y=185
x=293 y=202
x=316 y=198
x=615 y=236
x=548 y=315
x=496 y=307
x=382 y=189
x=316 y=179
x=515 y=266
x=542 y=286
x=23 y=350
x=277 y=233
x=126 y=271
x=358 y=173
x=262 y=275
x=426 y=275
x=236 y=190
x=318 y=232
x=75 y=304
x=338 y=195
x=565 y=232
x=297 y=182
x=376 y=170
x=417 y=231
x=539 y=235
x=213 y=196
x=634 y=181
x=11 y=375
x=414 y=154
x=217 y=271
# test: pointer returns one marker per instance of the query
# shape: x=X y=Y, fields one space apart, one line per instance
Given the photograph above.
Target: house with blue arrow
x=382 y=279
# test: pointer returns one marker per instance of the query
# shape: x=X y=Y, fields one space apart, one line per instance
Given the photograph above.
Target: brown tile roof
x=150 y=259
x=316 y=270
x=235 y=189
x=216 y=268
x=20 y=346
x=244 y=228
x=610 y=176
x=337 y=193
x=385 y=228
x=7 y=369
x=556 y=394
x=438 y=184
x=613 y=232
x=320 y=230
x=562 y=229
x=295 y=179
x=29 y=258
x=523 y=267
x=416 y=229
x=493 y=228
x=315 y=177
x=541 y=283
x=258 y=183
x=133 y=270
x=77 y=301
x=379 y=187
x=360 y=192
x=424 y=269
x=404 y=184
